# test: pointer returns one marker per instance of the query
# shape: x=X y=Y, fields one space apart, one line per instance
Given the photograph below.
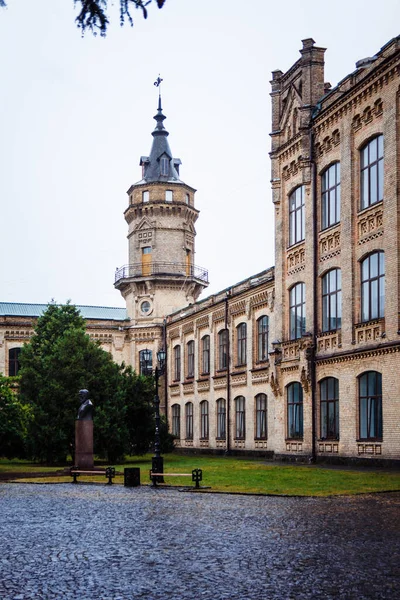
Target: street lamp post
x=157 y=461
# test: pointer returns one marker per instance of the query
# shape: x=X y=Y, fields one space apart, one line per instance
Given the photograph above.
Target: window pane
x=365 y=190
x=373 y=184
x=373 y=150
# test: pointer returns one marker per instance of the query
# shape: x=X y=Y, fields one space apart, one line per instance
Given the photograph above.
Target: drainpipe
x=228 y=379
x=164 y=336
x=311 y=353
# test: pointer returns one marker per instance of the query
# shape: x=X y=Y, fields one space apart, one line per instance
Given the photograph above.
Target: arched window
x=330 y=197
x=241 y=331
x=13 y=361
x=370 y=407
x=261 y=417
x=329 y=402
x=332 y=300
x=190 y=359
x=189 y=420
x=372 y=172
x=204 y=420
x=176 y=420
x=373 y=287
x=177 y=363
x=240 y=429
x=295 y=411
x=262 y=339
x=297 y=311
x=223 y=349
x=205 y=355
x=221 y=419
x=296 y=216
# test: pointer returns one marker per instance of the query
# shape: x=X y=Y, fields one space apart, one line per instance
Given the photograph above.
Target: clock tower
x=161 y=276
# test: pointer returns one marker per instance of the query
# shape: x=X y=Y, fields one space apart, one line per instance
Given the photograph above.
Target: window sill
x=326 y=229
x=295 y=244
x=370 y=440
x=294 y=439
x=260 y=439
x=260 y=366
x=366 y=208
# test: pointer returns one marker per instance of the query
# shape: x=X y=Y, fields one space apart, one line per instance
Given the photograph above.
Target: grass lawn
x=231 y=474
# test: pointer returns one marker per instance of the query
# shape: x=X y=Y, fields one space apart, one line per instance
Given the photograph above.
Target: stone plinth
x=84 y=444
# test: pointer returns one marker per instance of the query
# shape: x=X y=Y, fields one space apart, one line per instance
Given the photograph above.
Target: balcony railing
x=164 y=269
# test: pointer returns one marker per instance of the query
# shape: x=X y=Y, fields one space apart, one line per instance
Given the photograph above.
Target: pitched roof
x=160 y=149
x=107 y=313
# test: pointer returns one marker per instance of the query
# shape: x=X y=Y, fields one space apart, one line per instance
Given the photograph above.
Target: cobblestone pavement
x=115 y=543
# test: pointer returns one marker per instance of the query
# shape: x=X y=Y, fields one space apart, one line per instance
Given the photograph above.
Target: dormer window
x=164 y=166
x=168 y=195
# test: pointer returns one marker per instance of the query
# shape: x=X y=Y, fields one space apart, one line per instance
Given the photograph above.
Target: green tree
x=14 y=419
x=93 y=14
x=59 y=361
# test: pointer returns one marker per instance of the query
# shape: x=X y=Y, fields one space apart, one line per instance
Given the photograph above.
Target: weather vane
x=157 y=83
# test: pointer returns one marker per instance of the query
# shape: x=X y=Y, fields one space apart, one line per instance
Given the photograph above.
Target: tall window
x=176 y=420
x=204 y=420
x=205 y=354
x=372 y=172
x=331 y=196
x=370 y=394
x=332 y=300
x=190 y=359
x=164 y=165
x=240 y=431
x=177 y=363
x=296 y=216
x=261 y=417
x=146 y=366
x=329 y=396
x=221 y=419
x=13 y=361
x=168 y=195
x=241 y=331
x=294 y=411
x=223 y=349
x=373 y=286
x=297 y=311
x=262 y=339
x=145 y=196
x=189 y=420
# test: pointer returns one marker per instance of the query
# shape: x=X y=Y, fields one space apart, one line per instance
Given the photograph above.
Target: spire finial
x=159 y=116
x=157 y=83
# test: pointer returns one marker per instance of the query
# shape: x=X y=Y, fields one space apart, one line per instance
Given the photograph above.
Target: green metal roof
x=106 y=313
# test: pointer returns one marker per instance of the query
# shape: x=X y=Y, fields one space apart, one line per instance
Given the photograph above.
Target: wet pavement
x=115 y=543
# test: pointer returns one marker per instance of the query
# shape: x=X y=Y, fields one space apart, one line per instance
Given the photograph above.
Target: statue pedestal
x=84 y=444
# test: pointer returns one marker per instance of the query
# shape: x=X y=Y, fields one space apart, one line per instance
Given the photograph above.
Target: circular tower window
x=145 y=307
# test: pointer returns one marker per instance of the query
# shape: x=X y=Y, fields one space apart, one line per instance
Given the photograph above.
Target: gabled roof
x=104 y=313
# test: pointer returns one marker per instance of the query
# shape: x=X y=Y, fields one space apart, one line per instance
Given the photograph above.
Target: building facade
x=299 y=361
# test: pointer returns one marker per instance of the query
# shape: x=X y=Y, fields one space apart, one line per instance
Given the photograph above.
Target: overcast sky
x=76 y=115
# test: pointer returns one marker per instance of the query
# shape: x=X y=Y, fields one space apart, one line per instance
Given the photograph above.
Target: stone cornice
x=367 y=352
x=376 y=80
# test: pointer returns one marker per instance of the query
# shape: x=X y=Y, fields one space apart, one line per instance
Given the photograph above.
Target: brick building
x=299 y=361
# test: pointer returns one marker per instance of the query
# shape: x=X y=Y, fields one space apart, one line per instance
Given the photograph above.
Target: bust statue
x=85 y=412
